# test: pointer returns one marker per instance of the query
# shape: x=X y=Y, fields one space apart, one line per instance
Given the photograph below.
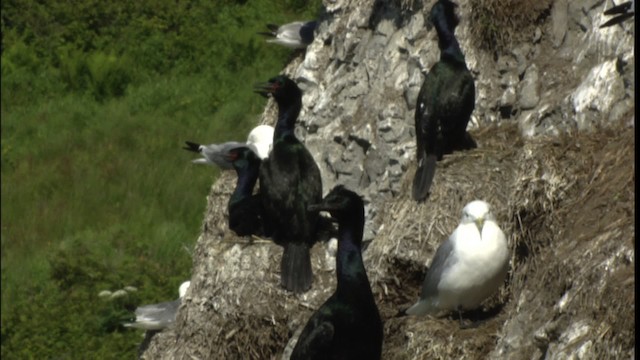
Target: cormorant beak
x=315 y=207
x=264 y=89
x=479 y=224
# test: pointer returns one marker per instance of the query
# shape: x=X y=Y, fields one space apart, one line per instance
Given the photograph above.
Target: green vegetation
x=97 y=99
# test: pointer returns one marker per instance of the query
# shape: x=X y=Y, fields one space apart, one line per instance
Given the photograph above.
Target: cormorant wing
x=429 y=136
x=314 y=342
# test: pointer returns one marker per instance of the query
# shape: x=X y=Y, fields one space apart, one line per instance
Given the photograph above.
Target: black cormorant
x=245 y=208
x=445 y=102
x=347 y=325
x=290 y=181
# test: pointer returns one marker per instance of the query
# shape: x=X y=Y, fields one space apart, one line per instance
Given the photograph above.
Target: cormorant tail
x=424 y=177
x=619 y=9
x=191 y=146
x=468 y=143
x=617 y=20
x=295 y=269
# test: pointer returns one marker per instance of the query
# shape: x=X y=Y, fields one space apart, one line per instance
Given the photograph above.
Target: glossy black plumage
x=347 y=325
x=445 y=102
x=245 y=208
x=623 y=11
x=290 y=181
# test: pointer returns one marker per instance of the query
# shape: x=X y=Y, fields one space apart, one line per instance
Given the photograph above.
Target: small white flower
x=118 y=293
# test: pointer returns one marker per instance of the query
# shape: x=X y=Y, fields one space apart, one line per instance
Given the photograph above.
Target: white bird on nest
x=468 y=267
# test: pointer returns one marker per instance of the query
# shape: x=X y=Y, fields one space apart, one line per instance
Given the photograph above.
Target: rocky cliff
x=554 y=123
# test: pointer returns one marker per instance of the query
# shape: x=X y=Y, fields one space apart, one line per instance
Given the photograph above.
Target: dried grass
x=498 y=24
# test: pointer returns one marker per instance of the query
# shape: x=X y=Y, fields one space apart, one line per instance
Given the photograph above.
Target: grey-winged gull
x=259 y=140
x=468 y=267
x=158 y=316
x=295 y=35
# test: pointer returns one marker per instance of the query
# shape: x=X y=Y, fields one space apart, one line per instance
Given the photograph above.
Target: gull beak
x=479 y=224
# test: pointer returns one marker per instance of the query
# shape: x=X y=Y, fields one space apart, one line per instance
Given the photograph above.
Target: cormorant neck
x=247 y=178
x=287 y=115
x=349 y=264
x=447 y=42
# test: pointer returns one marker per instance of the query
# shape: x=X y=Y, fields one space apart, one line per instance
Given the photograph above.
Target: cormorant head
x=341 y=203
x=281 y=87
x=242 y=157
x=445 y=9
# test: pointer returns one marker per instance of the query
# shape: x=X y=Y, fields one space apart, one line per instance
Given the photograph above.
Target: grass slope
x=97 y=100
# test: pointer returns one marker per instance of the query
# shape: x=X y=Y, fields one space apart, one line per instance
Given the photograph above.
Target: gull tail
x=295 y=268
x=422 y=307
x=273 y=31
x=191 y=146
x=273 y=27
x=424 y=177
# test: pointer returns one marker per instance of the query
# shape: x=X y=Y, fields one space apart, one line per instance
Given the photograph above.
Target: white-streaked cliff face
x=360 y=78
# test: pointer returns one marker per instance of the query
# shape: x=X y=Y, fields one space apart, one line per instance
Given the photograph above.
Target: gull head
x=477 y=212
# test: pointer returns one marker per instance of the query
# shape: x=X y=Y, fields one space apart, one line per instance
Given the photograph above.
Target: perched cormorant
x=445 y=102
x=290 y=181
x=245 y=208
x=295 y=35
x=347 y=325
x=468 y=267
x=623 y=11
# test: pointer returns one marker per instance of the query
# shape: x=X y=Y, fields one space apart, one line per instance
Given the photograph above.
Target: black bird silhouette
x=347 y=325
x=623 y=11
x=245 y=208
x=445 y=102
x=290 y=181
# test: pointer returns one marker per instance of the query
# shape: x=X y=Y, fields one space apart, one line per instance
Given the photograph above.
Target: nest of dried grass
x=498 y=24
